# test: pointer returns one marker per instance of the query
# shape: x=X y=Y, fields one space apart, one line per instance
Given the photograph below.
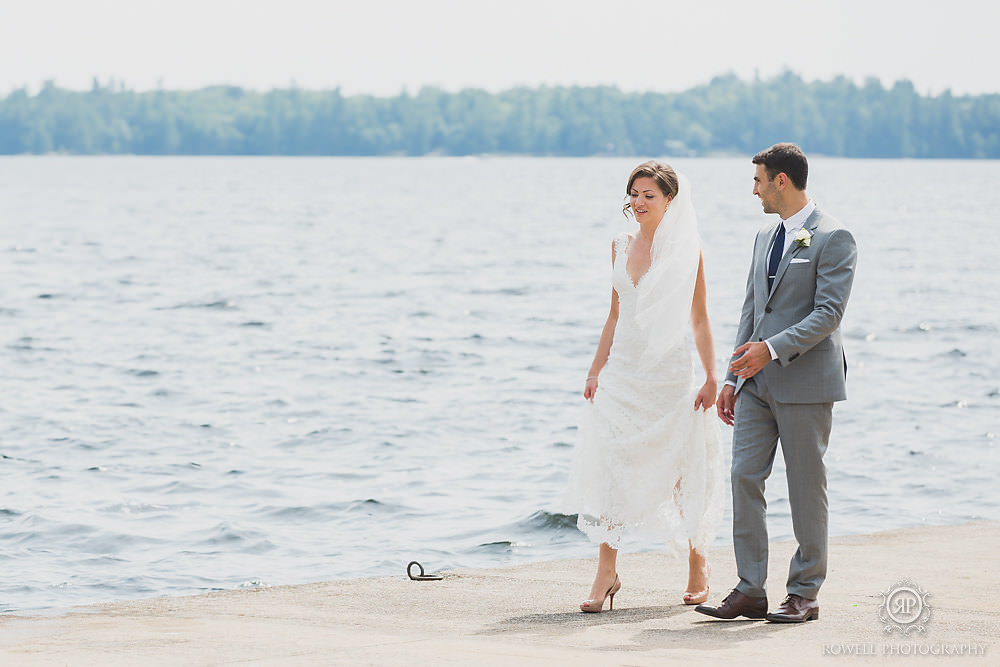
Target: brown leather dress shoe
x=736 y=604
x=795 y=609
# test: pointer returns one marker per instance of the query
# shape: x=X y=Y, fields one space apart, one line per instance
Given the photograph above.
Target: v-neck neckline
x=635 y=283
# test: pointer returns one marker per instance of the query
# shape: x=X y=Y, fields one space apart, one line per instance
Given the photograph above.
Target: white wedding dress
x=646 y=461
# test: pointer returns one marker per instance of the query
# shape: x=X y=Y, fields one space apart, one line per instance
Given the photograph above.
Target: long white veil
x=664 y=294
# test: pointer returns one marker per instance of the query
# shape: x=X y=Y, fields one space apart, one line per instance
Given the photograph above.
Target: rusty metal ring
x=421 y=576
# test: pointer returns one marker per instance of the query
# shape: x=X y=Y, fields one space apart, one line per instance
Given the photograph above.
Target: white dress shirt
x=793 y=224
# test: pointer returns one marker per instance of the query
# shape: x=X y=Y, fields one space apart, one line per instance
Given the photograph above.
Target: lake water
x=226 y=372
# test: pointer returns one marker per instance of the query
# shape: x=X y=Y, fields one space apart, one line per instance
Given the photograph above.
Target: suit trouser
x=804 y=431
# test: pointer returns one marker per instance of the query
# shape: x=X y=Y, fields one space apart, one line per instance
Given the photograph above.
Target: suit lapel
x=811 y=223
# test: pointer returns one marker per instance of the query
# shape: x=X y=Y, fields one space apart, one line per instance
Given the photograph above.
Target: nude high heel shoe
x=595 y=606
x=698 y=597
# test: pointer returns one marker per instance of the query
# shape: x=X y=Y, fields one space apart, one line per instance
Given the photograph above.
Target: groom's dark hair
x=785 y=158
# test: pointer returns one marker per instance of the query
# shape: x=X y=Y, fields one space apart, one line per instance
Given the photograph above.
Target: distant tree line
x=836 y=117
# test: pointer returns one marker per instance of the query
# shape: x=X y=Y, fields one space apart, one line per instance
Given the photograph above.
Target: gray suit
x=791 y=398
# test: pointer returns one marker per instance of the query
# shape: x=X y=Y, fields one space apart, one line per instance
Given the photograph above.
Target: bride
x=648 y=458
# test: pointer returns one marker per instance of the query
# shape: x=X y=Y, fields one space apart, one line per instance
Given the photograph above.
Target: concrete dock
x=527 y=615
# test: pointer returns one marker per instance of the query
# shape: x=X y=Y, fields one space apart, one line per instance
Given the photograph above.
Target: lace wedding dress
x=646 y=462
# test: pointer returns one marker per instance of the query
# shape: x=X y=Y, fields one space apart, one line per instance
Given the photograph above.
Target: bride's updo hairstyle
x=663 y=174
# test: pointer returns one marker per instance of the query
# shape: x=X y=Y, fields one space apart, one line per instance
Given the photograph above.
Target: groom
x=788 y=369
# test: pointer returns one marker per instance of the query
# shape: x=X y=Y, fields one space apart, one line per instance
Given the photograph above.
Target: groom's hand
x=726 y=405
x=753 y=357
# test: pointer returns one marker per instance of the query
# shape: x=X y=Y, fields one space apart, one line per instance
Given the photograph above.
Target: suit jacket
x=800 y=316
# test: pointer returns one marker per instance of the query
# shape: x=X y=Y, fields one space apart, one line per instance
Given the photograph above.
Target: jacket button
x=767 y=309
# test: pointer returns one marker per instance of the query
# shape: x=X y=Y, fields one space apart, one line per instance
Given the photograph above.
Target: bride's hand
x=706 y=395
x=590 y=389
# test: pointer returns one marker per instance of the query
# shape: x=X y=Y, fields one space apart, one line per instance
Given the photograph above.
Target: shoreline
x=716 y=547
x=528 y=613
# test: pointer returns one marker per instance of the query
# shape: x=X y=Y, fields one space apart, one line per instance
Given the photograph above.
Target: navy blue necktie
x=777 y=250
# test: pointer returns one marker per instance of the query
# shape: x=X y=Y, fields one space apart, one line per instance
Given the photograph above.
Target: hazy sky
x=380 y=46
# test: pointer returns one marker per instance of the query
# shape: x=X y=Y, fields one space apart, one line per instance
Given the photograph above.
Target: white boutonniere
x=802 y=238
